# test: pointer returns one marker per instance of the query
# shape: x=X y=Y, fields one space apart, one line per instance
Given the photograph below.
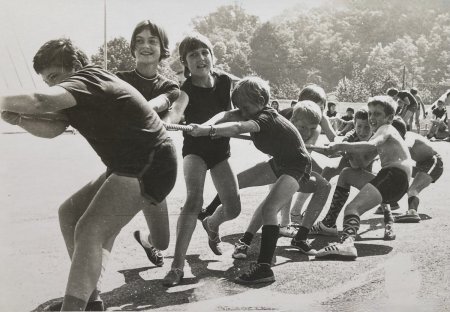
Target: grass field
x=411 y=273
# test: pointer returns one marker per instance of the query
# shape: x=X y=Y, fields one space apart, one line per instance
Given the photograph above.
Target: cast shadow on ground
x=138 y=294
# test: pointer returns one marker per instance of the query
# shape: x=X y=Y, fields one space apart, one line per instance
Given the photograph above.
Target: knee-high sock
x=413 y=202
x=247 y=238
x=388 y=218
x=302 y=234
x=340 y=196
x=269 y=238
x=213 y=205
x=351 y=226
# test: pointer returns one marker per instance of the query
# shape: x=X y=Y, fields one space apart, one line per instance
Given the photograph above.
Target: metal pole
x=404 y=74
x=105 y=45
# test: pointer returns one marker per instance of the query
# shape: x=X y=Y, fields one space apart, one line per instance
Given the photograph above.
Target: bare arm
x=227 y=116
x=160 y=103
x=178 y=108
x=44 y=126
x=327 y=128
x=227 y=129
x=50 y=99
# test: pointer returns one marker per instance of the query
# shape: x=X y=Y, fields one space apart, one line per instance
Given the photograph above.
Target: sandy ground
x=411 y=273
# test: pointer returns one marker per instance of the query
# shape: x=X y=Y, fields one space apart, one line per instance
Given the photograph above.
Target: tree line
x=353 y=48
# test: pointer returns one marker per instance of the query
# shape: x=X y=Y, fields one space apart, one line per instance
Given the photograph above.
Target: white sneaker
x=339 y=251
x=287 y=231
x=321 y=229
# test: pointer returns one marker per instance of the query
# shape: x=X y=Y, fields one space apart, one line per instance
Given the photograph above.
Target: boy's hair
x=413 y=91
x=350 y=110
x=191 y=42
x=387 y=102
x=392 y=92
x=400 y=125
x=59 y=52
x=331 y=104
x=314 y=93
x=307 y=110
x=251 y=89
x=362 y=114
x=154 y=30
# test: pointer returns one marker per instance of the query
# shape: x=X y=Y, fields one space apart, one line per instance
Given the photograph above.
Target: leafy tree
x=119 y=57
x=229 y=29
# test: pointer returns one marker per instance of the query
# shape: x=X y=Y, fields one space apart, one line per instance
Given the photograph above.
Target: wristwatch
x=212 y=131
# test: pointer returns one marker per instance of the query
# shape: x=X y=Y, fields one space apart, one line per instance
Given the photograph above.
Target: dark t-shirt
x=412 y=101
x=114 y=118
x=152 y=87
x=287 y=113
x=205 y=103
x=439 y=113
x=279 y=138
x=331 y=114
x=347 y=118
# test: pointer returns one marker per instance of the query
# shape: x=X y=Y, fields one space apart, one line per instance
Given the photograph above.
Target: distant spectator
x=275 y=105
x=439 y=128
x=348 y=114
x=420 y=105
x=331 y=112
x=347 y=122
x=392 y=92
x=408 y=105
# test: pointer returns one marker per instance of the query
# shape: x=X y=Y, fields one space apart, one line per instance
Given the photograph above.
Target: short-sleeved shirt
x=347 y=118
x=114 y=118
x=287 y=113
x=150 y=88
x=413 y=105
x=205 y=103
x=331 y=114
x=439 y=113
x=279 y=138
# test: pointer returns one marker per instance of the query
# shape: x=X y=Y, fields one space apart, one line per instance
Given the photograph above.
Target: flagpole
x=105 y=45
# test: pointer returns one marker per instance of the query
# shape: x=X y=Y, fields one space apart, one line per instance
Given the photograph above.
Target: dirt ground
x=411 y=273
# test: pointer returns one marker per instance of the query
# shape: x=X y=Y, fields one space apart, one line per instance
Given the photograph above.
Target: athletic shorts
x=392 y=183
x=300 y=172
x=212 y=155
x=432 y=166
x=157 y=177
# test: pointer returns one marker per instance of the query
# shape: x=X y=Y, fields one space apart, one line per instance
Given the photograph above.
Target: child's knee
x=161 y=243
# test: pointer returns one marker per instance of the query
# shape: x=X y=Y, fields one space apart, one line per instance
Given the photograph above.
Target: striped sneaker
x=339 y=251
x=240 y=250
x=321 y=229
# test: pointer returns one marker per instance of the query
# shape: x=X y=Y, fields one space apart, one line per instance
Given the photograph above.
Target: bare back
x=419 y=147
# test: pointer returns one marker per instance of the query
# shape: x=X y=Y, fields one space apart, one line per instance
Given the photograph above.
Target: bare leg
x=70 y=213
x=194 y=174
x=226 y=185
x=115 y=204
x=158 y=223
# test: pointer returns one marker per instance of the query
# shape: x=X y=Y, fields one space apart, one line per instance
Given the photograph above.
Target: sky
x=26 y=24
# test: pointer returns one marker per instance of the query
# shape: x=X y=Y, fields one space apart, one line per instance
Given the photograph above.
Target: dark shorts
x=210 y=156
x=432 y=166
x=392 y=183
x=300 y=172
x=157 y=177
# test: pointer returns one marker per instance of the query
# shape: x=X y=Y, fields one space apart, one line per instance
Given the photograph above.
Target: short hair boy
x=389 y=185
